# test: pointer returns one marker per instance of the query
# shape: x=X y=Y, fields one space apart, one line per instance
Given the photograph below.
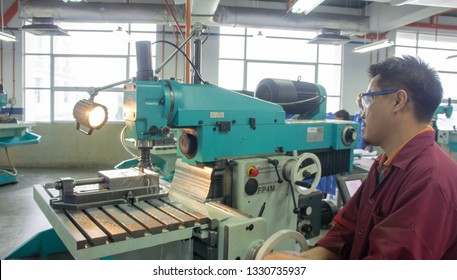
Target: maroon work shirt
x=410 y=214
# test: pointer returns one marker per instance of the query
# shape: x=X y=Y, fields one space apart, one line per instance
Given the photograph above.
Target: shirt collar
x=404 y=154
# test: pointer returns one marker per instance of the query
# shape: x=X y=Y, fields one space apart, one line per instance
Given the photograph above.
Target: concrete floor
x=20 y=217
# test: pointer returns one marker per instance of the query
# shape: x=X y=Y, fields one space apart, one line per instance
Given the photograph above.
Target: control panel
x=261 y=187
x=310 y=215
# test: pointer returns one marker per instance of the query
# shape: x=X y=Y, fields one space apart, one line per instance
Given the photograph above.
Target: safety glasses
x=364 y=100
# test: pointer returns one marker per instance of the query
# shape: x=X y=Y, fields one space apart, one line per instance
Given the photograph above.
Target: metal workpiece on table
x=111 y=187
x=128 y=178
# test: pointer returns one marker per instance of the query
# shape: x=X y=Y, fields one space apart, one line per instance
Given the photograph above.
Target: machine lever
x=153 y=130
x=296 y=209
x=262 y=209
x=275 y=163
x=303 y=184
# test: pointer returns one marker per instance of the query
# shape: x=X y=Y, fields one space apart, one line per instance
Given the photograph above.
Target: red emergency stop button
x=253 y=171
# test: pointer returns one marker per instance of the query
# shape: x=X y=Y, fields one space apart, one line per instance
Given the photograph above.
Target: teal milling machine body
x=242 y=170
x=216 y=124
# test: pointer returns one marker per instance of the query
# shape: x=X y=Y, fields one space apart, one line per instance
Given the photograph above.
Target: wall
x=63 y=146
x=354 y=73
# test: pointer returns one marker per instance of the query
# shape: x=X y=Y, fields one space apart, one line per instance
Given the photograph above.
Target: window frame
x=30 y=91
x=246 y=61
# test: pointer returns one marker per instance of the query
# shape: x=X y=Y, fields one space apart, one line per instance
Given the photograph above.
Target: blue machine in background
x=446 y=129
x=12 y=133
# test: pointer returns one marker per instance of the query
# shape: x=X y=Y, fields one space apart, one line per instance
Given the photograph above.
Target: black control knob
x=306 y=228
x=164 y=130
x=349 y=135
x=251 y=186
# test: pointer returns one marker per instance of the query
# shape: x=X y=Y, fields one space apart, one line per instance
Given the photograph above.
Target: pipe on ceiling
x=269 y=18
x=101 y=12
x=158 y=14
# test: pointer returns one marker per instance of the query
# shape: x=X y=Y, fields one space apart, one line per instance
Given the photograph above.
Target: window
x=435 y=50
x=60 y=69
x=231 y=47
x=246 y=56
x=233 y=69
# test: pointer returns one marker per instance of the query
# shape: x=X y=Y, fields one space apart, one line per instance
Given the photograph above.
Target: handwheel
x=299 y=173
x=279 y=237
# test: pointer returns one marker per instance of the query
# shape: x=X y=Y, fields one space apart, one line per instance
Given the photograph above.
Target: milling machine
x=244 y=180
x=445 y=129
x=12 y=133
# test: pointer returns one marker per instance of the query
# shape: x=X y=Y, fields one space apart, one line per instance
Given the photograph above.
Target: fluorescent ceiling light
x=374 y=46
x=430 y=3
x=305 y=6
x=7 y=37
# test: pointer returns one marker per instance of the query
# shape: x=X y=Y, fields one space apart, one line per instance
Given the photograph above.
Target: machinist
x=407 y=206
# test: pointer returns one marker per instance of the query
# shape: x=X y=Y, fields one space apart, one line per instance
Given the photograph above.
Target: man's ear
x=401 y=99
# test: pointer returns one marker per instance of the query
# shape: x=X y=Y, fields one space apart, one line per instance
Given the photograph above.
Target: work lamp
x=90 y=114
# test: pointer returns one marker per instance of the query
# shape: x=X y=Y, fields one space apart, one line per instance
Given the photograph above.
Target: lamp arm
x=93 y=91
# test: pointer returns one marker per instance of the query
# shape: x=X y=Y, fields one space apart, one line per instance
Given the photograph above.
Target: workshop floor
x=20 y=217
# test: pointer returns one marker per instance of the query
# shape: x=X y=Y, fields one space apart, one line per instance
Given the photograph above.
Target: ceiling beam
x=384 y=17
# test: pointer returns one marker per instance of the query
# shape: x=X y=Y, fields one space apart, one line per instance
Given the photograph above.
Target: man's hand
x=284 y=255
x=316 y=253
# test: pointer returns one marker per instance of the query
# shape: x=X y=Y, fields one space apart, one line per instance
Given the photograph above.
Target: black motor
x=291 y=95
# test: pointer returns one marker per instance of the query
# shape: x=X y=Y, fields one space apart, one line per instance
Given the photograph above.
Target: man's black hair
x=342 y=114
x=416 y=77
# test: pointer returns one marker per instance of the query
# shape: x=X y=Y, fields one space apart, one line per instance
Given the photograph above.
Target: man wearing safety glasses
x=407 y=206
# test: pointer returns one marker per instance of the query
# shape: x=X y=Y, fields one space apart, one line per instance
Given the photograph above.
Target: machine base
x=6 y=178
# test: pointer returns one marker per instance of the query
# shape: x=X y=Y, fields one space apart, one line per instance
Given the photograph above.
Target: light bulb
x=97 y=116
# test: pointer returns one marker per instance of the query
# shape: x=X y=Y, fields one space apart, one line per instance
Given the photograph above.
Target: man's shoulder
x=438 y=171
x=434 y=159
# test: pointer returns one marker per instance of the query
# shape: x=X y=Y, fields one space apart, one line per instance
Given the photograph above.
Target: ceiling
x=352 y=17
